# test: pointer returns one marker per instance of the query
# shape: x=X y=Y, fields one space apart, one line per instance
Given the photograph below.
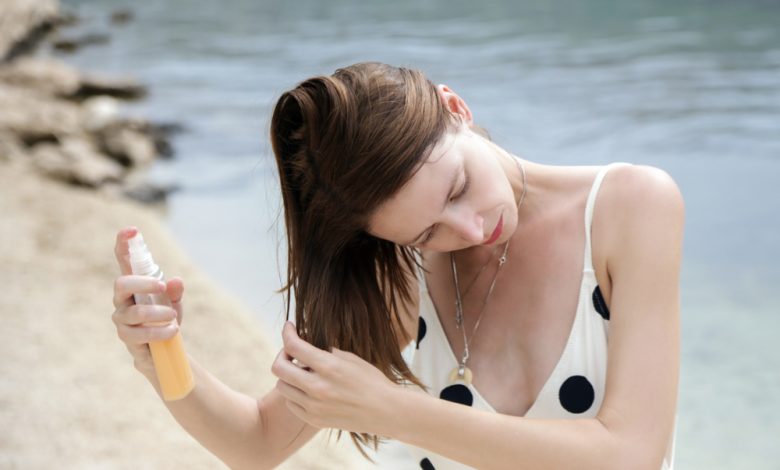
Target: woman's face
x=460 y=197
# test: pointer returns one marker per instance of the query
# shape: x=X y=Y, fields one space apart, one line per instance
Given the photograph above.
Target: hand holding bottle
x=155 y=319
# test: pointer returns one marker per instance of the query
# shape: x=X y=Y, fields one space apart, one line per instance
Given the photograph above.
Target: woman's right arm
x=240 y=430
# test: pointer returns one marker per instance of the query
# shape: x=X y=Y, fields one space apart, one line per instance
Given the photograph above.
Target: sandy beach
x=69 y=395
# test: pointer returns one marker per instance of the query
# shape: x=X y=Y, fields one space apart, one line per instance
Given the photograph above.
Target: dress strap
x=594 y=190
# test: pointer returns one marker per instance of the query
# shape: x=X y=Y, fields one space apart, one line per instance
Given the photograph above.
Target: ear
x=455 y=104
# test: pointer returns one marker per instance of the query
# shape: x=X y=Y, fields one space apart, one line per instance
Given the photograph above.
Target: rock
x=158 y=133
x=135 y=186
x=35 y=117
x=148 y=193
x=75 y=161
x=124 y=88
x=68 y=18
x=161 y=135
x=99 y=112
x=43 y=74
x=23 y=23
x=72 y=44
x=11 y=148
x=68 y=125
x=121 y=16
x=127 y=145
x=57 y=78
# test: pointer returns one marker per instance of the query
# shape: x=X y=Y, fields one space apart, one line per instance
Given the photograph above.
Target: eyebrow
x=453 y=180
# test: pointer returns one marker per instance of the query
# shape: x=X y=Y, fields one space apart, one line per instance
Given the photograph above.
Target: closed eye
x=430 y=235
x=460 y=194
x=463 y=190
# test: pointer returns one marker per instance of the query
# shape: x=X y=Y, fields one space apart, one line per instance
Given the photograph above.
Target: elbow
x=258 y=456
x=624 y=452
x=628 y=459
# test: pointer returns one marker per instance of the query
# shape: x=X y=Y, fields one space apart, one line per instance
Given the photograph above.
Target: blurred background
x=690 y=86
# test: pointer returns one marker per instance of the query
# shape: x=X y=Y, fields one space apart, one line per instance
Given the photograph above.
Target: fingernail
x=161 y=286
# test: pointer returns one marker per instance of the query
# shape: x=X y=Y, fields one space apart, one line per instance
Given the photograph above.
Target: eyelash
x=430 y=235
x=432 y=232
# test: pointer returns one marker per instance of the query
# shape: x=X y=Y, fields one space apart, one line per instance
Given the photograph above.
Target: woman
x=404 y=221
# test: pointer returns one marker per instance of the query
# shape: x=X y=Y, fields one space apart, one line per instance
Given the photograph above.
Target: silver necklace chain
x=462 y=369
x=479 y=273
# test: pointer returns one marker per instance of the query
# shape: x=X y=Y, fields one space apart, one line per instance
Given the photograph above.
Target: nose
x=469 y=226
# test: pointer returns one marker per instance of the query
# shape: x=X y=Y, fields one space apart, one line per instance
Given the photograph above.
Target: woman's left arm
x=636 y=419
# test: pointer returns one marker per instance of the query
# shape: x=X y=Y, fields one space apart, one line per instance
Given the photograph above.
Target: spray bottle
x=170 y=361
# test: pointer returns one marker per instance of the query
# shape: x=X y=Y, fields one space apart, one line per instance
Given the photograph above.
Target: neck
x=513 y=173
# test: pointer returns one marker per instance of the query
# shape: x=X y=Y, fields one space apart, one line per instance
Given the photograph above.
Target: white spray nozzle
x=141 y=260
x=137 y=244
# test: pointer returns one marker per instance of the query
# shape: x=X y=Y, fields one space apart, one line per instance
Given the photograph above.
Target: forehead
x=417 y=204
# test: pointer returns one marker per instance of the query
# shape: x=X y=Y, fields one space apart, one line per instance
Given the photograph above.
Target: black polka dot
x=598 y=302
x=576 y=394
x=426 y=464
x=457 y=393
x=421 y=330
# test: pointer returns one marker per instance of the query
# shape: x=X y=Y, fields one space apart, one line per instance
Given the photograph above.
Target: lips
x=496 y=232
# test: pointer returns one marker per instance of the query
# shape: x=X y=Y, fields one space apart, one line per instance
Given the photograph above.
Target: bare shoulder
x=639 y=208
x=640 y=197
x=633 y=189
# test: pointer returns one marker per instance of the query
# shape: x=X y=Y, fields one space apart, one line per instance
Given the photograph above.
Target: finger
x=304 y=352
x=121 y=251
x=126 y=286
x=175 y=289
x=284 y=369
x=137 y=335
x=292 y=393
x=141 y=314
x=140 y=352
x=348 y=356
x=142 y=357
x=175 y=292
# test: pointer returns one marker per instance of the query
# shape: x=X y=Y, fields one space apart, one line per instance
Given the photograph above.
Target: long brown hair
x=344 y=144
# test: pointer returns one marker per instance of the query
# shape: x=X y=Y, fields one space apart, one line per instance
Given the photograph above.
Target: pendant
x=461 y=374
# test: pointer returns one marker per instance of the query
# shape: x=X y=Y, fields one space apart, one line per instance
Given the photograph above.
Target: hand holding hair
x=334 y=389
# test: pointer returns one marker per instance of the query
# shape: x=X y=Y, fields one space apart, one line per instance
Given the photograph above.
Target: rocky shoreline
x=70 y=397
x=65 y=123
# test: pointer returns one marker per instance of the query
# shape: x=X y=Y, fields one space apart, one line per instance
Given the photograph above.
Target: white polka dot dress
x=575 y=388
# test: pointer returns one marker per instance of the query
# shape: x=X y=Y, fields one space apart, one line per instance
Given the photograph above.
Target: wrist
x=398 y=417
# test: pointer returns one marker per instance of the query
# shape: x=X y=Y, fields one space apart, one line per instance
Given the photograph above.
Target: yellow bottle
x=170 y=361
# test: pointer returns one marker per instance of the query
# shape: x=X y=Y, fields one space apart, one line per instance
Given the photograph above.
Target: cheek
x=491 y=190
x=382 y=230
x=447 y=246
